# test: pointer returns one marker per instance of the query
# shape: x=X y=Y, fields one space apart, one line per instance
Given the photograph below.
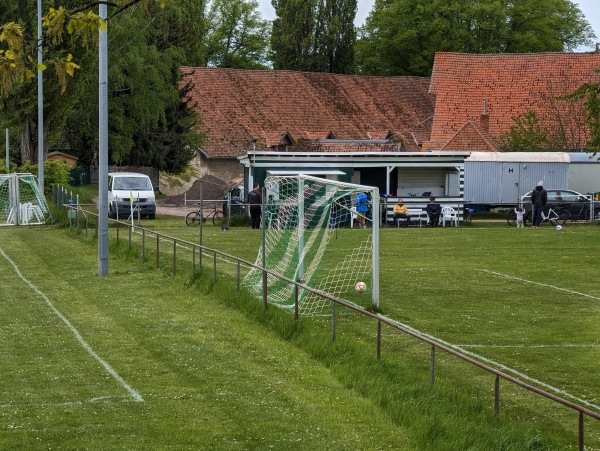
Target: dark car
x=578 y=204
x=235 y=199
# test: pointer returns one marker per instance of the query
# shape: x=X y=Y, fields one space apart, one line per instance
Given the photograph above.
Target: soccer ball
x=360 y=287
x=559 y=227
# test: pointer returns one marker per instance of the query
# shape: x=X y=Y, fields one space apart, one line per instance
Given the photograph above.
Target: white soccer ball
x=360 y=287
x=559 y=227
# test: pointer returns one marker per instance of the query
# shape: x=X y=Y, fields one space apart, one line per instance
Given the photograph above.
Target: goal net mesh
x=21 y=201
x=314 y=235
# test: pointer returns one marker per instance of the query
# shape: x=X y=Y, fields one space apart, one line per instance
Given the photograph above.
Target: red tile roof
x=510 y=85
x=237 y=105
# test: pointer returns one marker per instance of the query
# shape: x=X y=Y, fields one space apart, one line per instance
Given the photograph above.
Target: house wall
x=414 y=182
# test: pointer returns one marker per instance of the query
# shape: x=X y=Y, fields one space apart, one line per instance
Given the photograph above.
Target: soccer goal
x=314 y=234
x=21 y=201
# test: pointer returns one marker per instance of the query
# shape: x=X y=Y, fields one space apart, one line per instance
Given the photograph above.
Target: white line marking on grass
x=498 y=365
x=506 y=276
x=134 y=394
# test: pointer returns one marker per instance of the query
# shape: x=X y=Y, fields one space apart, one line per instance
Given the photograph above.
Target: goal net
x=21 y=201
x=314 y=234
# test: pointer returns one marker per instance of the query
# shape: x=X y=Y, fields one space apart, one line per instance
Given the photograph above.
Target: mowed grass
x=214 y=376
x=209 y=377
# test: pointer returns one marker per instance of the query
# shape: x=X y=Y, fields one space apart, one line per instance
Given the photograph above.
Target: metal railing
x=381 y=320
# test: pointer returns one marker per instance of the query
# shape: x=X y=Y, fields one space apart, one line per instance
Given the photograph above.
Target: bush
x=55 y=173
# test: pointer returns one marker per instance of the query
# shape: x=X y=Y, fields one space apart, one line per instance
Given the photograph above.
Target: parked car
x=237 y=199
x=577 y=203
x=125 y=186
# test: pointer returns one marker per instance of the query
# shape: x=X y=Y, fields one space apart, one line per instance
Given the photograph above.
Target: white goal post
x=314 y=234
x=21 y=202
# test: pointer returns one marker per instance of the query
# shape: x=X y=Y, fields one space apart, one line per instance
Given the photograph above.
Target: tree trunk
x=27 y=150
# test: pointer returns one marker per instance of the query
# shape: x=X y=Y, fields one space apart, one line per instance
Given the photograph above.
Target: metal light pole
x=7 y=154
x=103 y=146
x=40 y=101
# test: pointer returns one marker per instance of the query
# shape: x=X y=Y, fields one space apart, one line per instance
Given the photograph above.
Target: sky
x=590 y=9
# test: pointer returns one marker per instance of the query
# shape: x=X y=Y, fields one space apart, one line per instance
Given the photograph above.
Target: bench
x=416 y=214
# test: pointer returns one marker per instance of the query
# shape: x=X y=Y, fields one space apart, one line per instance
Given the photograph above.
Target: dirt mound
x=213 y=188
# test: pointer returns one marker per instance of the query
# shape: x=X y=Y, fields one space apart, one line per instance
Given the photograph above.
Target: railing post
x=238 y=277
x=143 y=244
x=129 y=237
x=215 y=268
x=581 y=447
x=264 y=293
x=432 y=367
x=157 y=250
x=117 y=232
x=296 y=289
x=193 y=259
x=378 y=340
x=333 y=320
x=497 y=396
x=174 y=256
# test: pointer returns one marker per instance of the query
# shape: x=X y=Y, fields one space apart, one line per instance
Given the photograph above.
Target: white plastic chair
x=451 y=215
x=353 y=215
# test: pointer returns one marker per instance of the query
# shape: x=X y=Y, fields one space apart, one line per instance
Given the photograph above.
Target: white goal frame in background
x=21 y=202
x=309 y=238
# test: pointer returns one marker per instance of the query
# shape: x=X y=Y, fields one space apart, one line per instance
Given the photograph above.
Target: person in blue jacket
x=362 y=208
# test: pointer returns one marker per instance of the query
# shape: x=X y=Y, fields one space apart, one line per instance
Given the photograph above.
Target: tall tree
x=150 y=120
x=236 y=35
x=400 y=37
x=335 y=36
x=314 y=35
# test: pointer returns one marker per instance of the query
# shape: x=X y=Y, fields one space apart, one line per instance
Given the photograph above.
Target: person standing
x=255 y=201
x=433 y=210
x=362 y=208
x=401 y=212
x=520 y=214
x=539 y=197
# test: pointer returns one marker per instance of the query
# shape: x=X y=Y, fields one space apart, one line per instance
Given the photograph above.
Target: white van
x=122 y=186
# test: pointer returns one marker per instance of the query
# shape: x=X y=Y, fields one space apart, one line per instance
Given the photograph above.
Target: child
x=520 y=213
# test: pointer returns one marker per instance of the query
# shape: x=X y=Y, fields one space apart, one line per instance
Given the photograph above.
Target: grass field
x=197 y=370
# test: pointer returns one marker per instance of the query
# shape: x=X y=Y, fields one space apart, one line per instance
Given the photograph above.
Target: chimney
x=485 y=118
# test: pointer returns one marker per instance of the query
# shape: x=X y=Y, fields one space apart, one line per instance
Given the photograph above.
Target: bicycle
x=557 y=216
x=193 y=217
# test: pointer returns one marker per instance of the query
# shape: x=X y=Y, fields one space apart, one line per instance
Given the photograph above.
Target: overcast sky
x=590 y=8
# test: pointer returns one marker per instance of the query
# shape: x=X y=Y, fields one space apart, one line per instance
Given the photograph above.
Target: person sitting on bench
x=401 y=212
x=433 y=210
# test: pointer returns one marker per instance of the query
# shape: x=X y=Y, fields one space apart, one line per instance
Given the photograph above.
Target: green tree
x=527 y=135
x=400 y=37
x=151 y=122
x=590 y=94
x=335 y=36
x=314 y=35
x=18 y=105
x=236 y=36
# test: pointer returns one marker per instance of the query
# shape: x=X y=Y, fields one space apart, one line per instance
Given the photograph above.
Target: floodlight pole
x=103 y=144
x=375 y=215
x=40 y=101
x=7 y=153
